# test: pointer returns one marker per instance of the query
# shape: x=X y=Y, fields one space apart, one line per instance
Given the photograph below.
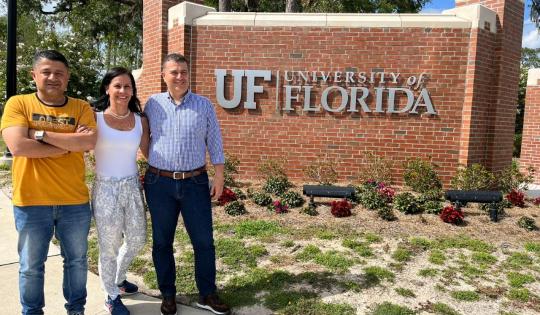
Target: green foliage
x=518 y=261
x=281 y=299
x=402 y=254
x=314 y=307
x=431 y=206
x=388 y=308
x=517 y=280
x=421 y=176
x=464 y=242
x=484 y=259
x=239 y=193
x=235 y=254
x=322 y=171
x=257 y=229
x=407 y=203
x=428 y=272
x=272 y=168
x=360 y=248
x=437 y=257
x=512 y=178
x=230 y=169
x=235 y=208
x=405 y=292
x=5 y=167
x=376 y=274
x=473 y=177
x=533 y=247
x=467 y=296
x=261 y=199
x=308 y=253
x=277 y=185
x=375 y=167
x=292 y=199
x=369 y=197
x=150 y=279
x=386 y=213
x=443 y=309
x=310 y=209
x=527 y=223
x=521 y=295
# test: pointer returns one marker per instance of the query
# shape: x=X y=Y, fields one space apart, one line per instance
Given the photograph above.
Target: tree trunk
x=225 y=5
x=293 y=6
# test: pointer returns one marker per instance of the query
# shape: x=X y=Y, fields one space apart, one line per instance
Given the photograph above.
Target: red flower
x=536 y=201
x=141 y=178
x=278 y=207
x=386 y=192
x=517 y=198
x=341 y=208
x=452 y=215
x=226 y=196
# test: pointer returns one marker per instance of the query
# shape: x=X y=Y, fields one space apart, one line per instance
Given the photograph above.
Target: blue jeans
x=36 y=225
x=167 y=198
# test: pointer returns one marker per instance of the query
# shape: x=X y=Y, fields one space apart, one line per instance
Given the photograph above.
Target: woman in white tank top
x=117 y=199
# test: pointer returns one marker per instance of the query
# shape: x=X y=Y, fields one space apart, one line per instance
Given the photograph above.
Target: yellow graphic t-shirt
x=55 y=180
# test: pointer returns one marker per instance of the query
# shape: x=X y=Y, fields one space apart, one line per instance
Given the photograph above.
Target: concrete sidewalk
x=138 y=304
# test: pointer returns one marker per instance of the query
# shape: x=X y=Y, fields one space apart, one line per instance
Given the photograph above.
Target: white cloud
x=531 y=39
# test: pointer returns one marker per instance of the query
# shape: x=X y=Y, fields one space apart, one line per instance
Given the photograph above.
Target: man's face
x=176 y=76
x=51 y=77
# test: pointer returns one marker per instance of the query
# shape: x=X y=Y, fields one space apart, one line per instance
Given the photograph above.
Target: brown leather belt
x=177 y=175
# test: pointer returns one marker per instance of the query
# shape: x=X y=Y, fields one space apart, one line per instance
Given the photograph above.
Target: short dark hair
x=51 y=55
x=178 y=58
x=103 y=102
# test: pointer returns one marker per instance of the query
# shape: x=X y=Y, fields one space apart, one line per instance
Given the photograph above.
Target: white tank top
x=116 y=150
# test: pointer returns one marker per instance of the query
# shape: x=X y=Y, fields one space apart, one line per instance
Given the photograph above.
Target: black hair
x=102 y=103
x=178 y=58
x=51 y=55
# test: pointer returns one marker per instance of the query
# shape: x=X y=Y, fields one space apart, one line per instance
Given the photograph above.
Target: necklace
x=119 y=116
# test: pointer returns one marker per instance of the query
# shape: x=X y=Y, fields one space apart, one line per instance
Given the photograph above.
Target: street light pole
x=11 y=60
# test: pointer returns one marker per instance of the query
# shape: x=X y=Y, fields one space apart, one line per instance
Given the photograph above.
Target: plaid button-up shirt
x=181 y=134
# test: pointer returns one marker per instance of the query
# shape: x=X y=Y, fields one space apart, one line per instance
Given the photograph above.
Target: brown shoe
x=168 y=305
x=213 y=304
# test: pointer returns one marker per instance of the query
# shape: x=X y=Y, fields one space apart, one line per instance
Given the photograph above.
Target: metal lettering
x=424 y=95
x=344 y=99
x=220 y=88
x=252 y=88
x=392 y=100
x=361 y=100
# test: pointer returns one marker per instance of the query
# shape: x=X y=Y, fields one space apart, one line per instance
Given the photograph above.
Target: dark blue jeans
x=167 y=198
x=36 y=225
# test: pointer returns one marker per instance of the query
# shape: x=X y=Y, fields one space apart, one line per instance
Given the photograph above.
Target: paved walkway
x=138 y=304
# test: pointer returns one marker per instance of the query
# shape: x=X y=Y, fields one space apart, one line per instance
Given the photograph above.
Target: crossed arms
x=20 y=141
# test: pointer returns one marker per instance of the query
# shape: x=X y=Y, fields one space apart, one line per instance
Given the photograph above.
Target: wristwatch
x=39 y=135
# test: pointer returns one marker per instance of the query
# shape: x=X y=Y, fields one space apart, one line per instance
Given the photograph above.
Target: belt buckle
x=183 y=175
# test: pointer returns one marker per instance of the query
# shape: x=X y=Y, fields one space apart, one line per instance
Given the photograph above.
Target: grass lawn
x=293 y=263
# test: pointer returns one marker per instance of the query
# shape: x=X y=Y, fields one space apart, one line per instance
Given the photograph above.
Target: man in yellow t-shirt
x=47 y=133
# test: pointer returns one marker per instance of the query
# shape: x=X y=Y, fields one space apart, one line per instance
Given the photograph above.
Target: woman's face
x=120 y=90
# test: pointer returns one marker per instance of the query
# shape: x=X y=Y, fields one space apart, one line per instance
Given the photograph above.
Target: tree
x=535 y=12
x=530 y=58
x=335 y=6
x=293 y=6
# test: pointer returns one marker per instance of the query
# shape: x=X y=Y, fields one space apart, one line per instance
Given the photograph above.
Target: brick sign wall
x=451 y=65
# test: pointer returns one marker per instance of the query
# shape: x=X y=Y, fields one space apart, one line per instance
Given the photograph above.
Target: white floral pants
x=119 y=213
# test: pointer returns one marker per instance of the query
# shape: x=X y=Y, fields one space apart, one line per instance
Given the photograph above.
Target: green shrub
x=473 y=177
x=407 y=203
x=375 y=167
x=527 y=223
x=386 y=213
x=310 y=209
x=276 y=185
x=235 y=208
x=468 y=296
x=239 y=193
x=512 y=179
x=421 y=176
x=272 y=168
x=322 y=171
x=370 y=198
x=292 y=199
x=388 y=308
x=261 y=198
x=230 y=169
x=431 y=206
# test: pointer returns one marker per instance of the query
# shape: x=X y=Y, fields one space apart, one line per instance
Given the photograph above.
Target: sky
x=531 y=38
